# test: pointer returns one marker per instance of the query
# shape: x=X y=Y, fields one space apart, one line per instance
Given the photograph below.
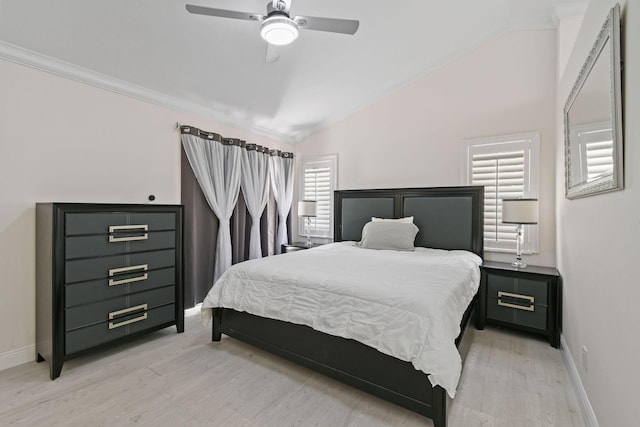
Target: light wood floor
x=169 y=379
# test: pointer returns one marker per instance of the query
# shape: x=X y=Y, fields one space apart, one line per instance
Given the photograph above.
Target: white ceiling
x=156 y=50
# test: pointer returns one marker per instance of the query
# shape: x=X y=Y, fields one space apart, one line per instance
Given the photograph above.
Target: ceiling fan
x=277 y=27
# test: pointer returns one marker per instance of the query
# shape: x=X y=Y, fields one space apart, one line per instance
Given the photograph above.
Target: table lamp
x=308 y=209
x=519 y=211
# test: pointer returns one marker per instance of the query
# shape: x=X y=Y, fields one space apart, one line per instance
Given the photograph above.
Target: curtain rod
x=212 y=136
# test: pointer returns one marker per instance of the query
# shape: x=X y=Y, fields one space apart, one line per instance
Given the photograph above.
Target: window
x=317 y=182
x=507 y=167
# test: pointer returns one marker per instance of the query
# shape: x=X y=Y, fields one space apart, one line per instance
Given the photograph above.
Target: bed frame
x=448 y=218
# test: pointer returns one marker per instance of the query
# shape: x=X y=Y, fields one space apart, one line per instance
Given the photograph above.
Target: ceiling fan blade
x=223 y=13
x=332 y=25
x=273 y=53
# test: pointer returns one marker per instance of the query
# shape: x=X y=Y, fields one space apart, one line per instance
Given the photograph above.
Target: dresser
x=528 y=299
x=105 y=273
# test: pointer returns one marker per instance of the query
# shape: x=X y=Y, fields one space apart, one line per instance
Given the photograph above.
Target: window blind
x=503 y=176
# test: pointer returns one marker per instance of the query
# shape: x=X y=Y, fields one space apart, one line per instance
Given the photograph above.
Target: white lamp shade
x=307 y=208
x=520 y=211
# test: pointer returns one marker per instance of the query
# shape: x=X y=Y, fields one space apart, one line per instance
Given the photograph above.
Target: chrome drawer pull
x=115 y=228
x=529 y=307
x=114 y=271
x=114 y=314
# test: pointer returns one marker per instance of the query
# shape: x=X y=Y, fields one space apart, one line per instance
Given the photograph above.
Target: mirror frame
x=610 y=32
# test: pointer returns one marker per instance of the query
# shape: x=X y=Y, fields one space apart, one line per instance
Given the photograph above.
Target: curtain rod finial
x=177 y=125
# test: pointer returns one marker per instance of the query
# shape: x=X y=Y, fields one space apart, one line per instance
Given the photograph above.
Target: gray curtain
x=240 y=226
x=198 y=253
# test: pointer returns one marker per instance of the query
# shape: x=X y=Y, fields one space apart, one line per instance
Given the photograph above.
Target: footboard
x=343 y=359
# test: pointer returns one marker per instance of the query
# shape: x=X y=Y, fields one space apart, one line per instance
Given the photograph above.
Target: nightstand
x=528 y=299
x=297 y=246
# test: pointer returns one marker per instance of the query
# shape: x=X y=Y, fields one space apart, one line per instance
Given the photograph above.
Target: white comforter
x=405 y=304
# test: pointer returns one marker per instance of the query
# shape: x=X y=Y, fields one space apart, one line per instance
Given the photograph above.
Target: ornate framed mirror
x=593 y=118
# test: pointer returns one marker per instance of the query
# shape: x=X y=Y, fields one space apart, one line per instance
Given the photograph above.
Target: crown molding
x=524 y=24
x=565 y=10
x=549 y=22
x=38 y=61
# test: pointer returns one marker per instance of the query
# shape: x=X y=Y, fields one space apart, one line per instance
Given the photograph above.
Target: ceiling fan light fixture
x=279 y=30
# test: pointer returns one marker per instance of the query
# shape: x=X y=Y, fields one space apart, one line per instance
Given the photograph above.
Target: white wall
x=412 y=137
x=598 y=241
x=567 y=32
x=65 y=141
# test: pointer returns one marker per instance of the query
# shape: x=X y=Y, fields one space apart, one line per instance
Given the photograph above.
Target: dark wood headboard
x=448 y=217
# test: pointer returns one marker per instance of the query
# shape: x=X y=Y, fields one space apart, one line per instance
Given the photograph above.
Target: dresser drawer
x=521 y=286
x=98 y=290
x=99 y=244
x=98 y=268
x=90 y=336
x=88 y=314
x=532 y=316
x=100 y=222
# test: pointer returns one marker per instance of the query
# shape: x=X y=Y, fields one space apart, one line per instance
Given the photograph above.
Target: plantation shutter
x=502 y=175
x=507 y=167
x=599 y=159
x=318 y=185
x=595 y=144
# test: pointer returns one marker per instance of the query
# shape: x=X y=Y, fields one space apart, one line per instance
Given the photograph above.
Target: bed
x=449 y=218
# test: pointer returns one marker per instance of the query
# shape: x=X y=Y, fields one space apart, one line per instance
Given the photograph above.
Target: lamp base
x=518 y=264
x=308 y=243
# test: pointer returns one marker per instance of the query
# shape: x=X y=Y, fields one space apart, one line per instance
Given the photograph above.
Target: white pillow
x=393 y=235
x=407 y=219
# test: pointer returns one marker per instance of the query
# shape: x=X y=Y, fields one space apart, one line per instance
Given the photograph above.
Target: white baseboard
x=589 y=416
x=17 y=357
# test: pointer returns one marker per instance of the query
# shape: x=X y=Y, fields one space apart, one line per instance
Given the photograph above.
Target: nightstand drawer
x=535 y=289
x=529 y=315
x=298 y=246
x=288 y=249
